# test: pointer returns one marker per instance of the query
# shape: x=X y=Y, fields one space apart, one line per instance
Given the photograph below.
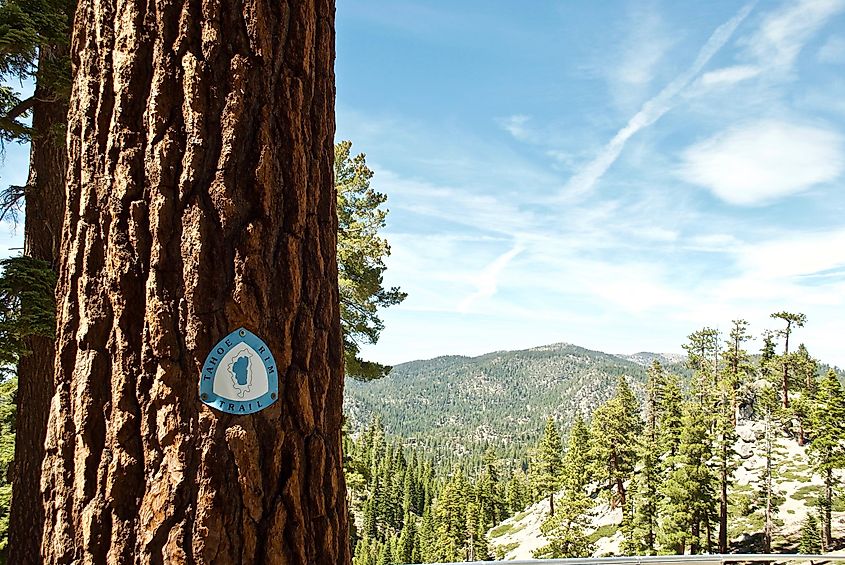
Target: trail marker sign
x=239 y=375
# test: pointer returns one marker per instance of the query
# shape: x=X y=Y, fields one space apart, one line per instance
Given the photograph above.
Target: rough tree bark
x=200 y=199
x=45 y=206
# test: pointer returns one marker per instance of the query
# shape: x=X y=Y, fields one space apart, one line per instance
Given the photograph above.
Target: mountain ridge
x=457 y=403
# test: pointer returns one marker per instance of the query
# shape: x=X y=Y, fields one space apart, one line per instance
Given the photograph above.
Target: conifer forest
x=659 y=455
x=228 y=335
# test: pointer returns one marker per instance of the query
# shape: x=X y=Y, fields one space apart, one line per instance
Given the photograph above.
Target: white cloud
x=585 y=179
x=833 y=50
x=488 y=279
x=729 y=75
x=764 y=160
x=796 y=256
x=783 y=34
x=516 y=126
x=643 y=51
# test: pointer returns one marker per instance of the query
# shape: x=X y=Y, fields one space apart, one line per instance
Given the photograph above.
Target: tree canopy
x=361 y=252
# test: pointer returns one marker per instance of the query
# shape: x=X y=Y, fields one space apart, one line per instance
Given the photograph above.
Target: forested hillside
x=726 y=452
x=457 y=405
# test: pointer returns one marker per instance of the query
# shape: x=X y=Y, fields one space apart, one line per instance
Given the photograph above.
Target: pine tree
x=702 y=350
x=826 y=447
x=734 y=372
x=518 y=496
x=792 y=321
x=566 y=529
x=804 y=369
x=810 y=543
x=768 y=402
x=407 y=540
x=193 y=211
x=576 y=459
x=548 y=464
x=614 y=430
x=360 y=256
x=643 y=532
x=690 y=488
x=736 y=363
x=669 y=435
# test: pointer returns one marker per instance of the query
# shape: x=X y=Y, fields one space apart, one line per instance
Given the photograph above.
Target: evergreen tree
x=407 y=541
x=576 y=459
x=792 y=321
x=768 y=402
x=826 y=447
x=735 y=369
x=810 y=543
x=689 y=488
x=518 y=496
x=566 y=529
x=614 y=430
x=669 y=434
x=804 y=369
x=702 y=350
x=360 y=260
x=643 y=533
x=548 y=464
x=8 y=386
x=736 y=362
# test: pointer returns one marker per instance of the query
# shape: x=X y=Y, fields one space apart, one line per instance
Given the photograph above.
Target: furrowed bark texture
x=200 y=199
x=45 y=207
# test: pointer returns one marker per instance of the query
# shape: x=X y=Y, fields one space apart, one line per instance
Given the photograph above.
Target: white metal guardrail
x=710 y=559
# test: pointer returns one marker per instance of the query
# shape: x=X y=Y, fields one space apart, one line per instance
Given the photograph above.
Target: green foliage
x=8 y=390
x=642 y=538
x=810 y=543
x=614 y=432
x=566 y=530
x=453 y=408
x=827 y=418
x=771 y=496
x=828 y=425
x=28 y=30
x=360 y=260
x=664 y=464
x=547 y=462
x=518 y=493
x=27 y=305
x=410 y=511
x=690 y=486
x=576 y=460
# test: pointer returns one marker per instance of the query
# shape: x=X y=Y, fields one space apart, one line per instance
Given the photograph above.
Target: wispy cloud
x=640 y=55
x=729 y=75
x=833 y=50
x=488 y=279
x=584 y=180
x=516 y=126
x=761 y=161
x=783 y=34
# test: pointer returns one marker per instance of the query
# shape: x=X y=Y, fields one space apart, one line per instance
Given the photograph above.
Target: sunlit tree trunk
x=200 y=199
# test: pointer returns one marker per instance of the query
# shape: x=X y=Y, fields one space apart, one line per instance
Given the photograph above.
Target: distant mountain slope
x=499 y=398
x=645 y=358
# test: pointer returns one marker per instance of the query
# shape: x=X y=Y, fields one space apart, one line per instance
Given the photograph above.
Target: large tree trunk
x=200 y=199
x=45 y=206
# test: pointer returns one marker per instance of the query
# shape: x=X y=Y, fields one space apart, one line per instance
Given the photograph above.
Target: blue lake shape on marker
x=239 y=375
x=241 y=370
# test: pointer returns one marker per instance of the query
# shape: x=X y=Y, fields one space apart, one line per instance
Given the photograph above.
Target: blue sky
x=610 y=174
